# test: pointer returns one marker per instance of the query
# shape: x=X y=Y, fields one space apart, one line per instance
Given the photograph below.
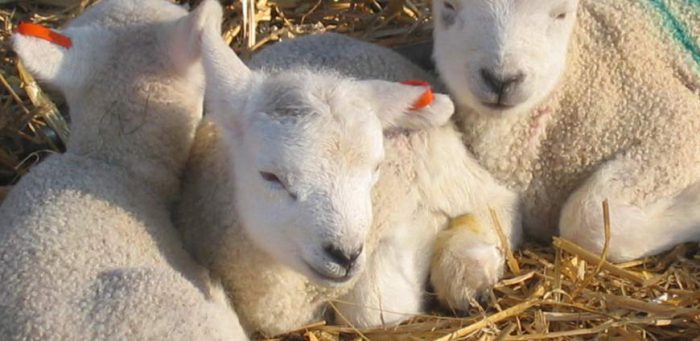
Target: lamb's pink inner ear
x=426 y=98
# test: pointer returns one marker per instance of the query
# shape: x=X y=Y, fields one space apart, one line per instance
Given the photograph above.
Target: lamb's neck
x=508 y=146
x=150 y=144
x=435 y=163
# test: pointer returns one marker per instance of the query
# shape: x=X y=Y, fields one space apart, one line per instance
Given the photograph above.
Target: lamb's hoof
x=469 y=305
x=460 y=281
x=464 y=268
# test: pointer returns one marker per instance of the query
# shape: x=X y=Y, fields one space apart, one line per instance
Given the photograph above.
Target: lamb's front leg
x=391 y=288
x=654 y=205
x=469 y=258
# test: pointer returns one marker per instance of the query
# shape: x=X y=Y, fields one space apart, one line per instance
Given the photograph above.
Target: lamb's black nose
x=342 y=257
x=501 y=85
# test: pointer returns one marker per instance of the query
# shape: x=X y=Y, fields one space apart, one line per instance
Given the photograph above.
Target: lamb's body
x=87 y=247
x=427 y=176
x=622 y=125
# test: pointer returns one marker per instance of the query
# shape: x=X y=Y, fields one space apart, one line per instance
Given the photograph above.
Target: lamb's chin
x=484 y=108
x=319 y=279
x=312 y=272
x=498 y=111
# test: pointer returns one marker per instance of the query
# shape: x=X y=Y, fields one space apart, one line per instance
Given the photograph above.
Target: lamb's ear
x=185 y=41
x=410 y=106
x=227 y=77
x=62 y=59
x=47 y=54
x=226 y=73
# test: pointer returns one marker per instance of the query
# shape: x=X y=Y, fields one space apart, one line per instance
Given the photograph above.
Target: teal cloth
x=677 y=27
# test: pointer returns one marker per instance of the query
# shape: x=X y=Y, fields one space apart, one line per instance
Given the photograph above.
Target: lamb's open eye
x=561 y=16
x=448 y=5
x=275 y=180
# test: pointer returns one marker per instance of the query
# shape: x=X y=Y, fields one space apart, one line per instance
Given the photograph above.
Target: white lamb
x=87 y=247
x=570 y=114
x=278 y=198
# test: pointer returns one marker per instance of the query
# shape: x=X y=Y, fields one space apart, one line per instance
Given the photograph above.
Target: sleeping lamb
x=280 y=199
x=87 y=247
x=570 y=114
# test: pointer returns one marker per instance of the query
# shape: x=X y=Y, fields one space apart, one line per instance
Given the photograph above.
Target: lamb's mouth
x=497 y=106
x=329 y=277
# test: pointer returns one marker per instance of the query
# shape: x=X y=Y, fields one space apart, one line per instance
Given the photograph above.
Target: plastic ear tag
x=41 y=32
x=426 y=98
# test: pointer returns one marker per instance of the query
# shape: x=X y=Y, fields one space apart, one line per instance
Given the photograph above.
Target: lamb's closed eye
x=271 y=177
x=277 y=182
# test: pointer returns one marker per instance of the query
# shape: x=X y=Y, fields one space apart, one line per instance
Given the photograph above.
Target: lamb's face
x=307 y=159
x=502 y=56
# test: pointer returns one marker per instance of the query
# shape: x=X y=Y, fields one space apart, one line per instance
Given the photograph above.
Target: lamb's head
x=116 y=40
x=125 y=57
x=502 y=56
x=306 y=148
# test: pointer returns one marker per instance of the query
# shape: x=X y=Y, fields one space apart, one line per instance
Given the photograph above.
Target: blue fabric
x=677 y=28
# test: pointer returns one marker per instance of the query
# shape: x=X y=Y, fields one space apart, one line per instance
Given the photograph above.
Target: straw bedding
x=550 y=292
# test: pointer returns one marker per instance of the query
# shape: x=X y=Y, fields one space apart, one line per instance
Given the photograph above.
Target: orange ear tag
x=426 y=98
x=41 y=32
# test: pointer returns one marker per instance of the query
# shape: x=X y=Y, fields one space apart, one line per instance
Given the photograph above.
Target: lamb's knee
x=582 y=222
x=384 y=302
x=390 y=290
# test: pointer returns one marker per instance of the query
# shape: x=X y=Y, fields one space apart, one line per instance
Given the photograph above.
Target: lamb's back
x=345 y=55
x=83 y=246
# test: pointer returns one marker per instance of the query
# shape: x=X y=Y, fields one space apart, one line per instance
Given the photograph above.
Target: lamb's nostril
x=512 y=81
x=501 y=84
x=492 y=81
x=355 y=254
x=340 y=256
